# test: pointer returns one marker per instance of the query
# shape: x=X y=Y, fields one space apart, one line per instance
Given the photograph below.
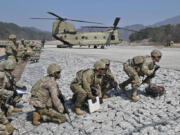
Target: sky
x=131 y=12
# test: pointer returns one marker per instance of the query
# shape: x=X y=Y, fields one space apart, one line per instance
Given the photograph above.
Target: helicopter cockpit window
x=95 y=37
x=82 y=37
x=112 y=37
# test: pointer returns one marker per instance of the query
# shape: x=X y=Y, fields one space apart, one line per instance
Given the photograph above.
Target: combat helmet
x=106 y=61
x=156 y=53
x=9 y=65
x=99 y=65
x=53 y=68
x=12 y=36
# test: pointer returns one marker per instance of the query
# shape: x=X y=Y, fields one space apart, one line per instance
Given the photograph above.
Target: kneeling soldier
x=87 y=85
x=45 y=97
x=6 y=127
x=109 y=80
x=11 y=85
x=140 y=66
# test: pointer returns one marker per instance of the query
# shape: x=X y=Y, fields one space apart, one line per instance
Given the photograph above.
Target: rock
x=117 y=115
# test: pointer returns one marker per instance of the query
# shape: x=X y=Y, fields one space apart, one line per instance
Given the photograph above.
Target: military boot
x=17 y=109
x=9 y=111
x=10 y=128
x=36 y=118
x=134 y=95
x=105 y=96
x=78 y=111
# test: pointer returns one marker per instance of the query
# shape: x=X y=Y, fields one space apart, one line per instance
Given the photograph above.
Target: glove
x=24 y=87
x=90 y=96
x=150 y=72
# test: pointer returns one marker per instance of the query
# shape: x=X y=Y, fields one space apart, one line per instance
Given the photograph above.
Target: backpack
x=138 y=60
x=155 y=91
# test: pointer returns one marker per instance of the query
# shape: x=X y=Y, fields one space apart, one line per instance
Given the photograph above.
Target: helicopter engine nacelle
x=62 y=27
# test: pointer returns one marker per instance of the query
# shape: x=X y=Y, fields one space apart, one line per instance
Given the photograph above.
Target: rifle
x=107 y=79
x=62 y=98
x=151 y=76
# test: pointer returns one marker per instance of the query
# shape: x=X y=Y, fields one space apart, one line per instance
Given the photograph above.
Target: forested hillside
x=161 y=34
x=22 y=32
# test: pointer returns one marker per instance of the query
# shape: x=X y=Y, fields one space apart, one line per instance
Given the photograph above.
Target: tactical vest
x=138 y=60
x=79 y=77
x=40 y=96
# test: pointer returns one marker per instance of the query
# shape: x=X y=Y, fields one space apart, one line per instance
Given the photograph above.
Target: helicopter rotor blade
x=111 y=28
x=45 y=18
x=64 y=19
x=126 y=29
x=116 y=21
x=83 y=21
x=60 y=18
x=98 y=27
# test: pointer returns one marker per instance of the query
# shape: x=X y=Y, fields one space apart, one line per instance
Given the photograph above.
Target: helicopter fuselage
x=66 y=33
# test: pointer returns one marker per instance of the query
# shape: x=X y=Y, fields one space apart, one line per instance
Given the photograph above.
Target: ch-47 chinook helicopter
x=65 y=32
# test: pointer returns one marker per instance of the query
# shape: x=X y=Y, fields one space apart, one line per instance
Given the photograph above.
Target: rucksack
x=138 y=60
x=155 y=91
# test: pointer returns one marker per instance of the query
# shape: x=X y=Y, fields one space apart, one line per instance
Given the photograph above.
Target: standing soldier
x=36 y=52
x=29 y=51
x=11 y=48
x=5 y=126
x=109 y=80
x=20 y=51
x=45 y=98
x=140 y=66
x=87 y=85
x=42 y=43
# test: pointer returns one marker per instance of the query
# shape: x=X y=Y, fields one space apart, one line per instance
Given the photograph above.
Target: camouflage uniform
x=20 y=52
x=45 y=99
x=11 y=48
x=111 y=82
x=82 y=86
x=36 y=53
x=5 y=126
x=11 y=85
x=136 y=67
x=28 y=50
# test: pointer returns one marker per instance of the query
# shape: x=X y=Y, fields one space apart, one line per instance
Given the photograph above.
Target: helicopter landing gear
x=102 y=46
x=95 y=46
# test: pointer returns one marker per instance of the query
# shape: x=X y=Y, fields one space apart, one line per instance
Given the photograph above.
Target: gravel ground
x=117 y=115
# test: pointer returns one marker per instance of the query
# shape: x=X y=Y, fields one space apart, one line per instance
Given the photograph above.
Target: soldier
x=11 y=85
x=45 y=98
x=85 y=83
x=5 y=126
x=20 y=51
x=140 y=66
x=11 y=48
x=28 y=50
x=109 y=80
x=42 y=43
x=36 y=53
